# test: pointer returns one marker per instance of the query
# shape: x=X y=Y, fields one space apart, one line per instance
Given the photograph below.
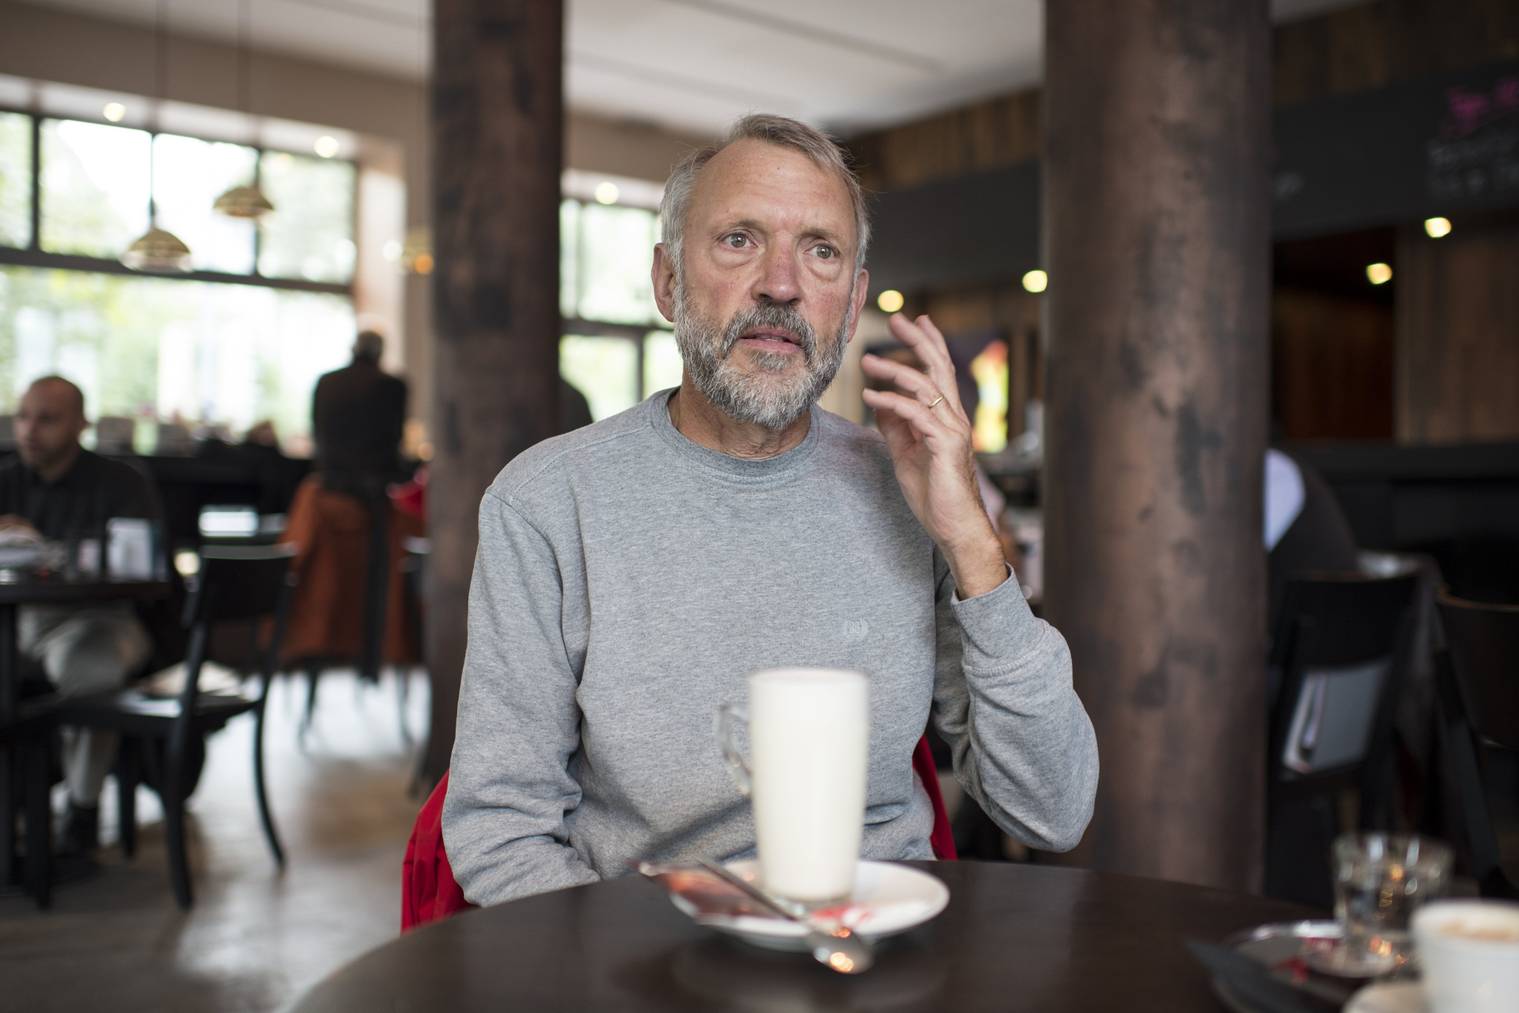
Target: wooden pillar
x=497 y=132
x=1156 y=203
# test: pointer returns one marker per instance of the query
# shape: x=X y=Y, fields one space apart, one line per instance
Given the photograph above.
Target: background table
x=1013 y=937
x=18 y=588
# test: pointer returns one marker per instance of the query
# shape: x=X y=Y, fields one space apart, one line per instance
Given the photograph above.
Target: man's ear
x=857 y=303
x=663 y=275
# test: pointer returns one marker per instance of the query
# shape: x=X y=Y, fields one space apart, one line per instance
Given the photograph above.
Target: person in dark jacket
x=1306 y=529
x=56 y=490
x=357 y=414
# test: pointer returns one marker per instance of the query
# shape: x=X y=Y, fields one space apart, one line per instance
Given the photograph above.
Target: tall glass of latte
x=808 y=741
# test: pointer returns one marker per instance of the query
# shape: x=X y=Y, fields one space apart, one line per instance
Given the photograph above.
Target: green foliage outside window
x=160 y=348
x=15 y=179
x=94 y=187
x=310 y=234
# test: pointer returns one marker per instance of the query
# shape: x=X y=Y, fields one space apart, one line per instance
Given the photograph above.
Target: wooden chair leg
x=313 y=674
x=174 y=824
x=128 y=777
x=39 y=820
x=265 y=816
x=403 y=695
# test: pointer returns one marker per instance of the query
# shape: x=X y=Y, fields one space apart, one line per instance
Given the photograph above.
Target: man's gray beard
x=763 y=400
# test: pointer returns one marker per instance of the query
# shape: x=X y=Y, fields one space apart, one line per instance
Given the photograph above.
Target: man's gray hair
x=787 y=133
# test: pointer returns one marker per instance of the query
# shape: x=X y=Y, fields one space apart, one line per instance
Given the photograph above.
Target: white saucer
x=887 y=899
x=1392 y=997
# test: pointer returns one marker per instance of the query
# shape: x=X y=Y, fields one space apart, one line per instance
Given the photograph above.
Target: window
x=606 y=296
x=310 y=235
x=616 y=249
x=188 y=175
x=15 y=179
x=661 y=362
x=95 y=190
x=266 y=309
x=165 y=348
x=605 y=370
x=94 y=187
x=569 y=258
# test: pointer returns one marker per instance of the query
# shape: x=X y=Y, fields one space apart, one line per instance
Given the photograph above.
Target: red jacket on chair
x=429 y=891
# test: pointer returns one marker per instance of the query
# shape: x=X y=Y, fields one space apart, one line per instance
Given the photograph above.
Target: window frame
x=33 y=255
x=582 y=327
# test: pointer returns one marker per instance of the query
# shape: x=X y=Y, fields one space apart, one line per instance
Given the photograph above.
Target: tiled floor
x=256 y=938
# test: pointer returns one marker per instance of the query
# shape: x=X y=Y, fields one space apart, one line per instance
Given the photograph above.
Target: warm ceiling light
x=1437 y=227
x=890 y=301
x=1035 y=281
x=607 y=192
x=243 y=202
x=1379 y=273
x=157 y=250
x=327 y=146
x=114 y=111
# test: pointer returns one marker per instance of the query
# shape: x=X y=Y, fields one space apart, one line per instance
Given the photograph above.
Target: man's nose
x=779 y=279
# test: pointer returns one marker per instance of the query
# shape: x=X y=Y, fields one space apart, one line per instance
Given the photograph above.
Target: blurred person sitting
x=1305 y=528
x=55 y=489
x=357 y=416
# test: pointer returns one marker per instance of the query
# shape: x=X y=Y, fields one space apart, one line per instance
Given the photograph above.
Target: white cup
x=809 y=731
x=1469 y=951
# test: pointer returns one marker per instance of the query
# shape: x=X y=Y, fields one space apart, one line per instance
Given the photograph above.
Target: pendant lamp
x=244 y=200
x=157 y=249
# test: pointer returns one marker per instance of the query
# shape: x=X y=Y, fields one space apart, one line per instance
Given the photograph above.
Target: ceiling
x=691 y=65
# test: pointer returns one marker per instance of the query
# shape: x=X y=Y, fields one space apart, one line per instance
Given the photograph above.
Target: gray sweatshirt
x=628 y=579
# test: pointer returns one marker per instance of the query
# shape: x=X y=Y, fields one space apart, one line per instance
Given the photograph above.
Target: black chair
x=249 y=586
x=27 y=738
x=1339 y=654
x=1478 y=684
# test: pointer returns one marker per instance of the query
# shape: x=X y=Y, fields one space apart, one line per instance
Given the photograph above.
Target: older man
x=632 y=573
x=55 y=489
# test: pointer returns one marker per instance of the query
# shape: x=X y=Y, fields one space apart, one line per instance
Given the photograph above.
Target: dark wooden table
x=1014 y=937
x=18 y=588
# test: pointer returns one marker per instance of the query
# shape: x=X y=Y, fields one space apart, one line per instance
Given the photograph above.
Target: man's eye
x=825 y=251
x=735 y=240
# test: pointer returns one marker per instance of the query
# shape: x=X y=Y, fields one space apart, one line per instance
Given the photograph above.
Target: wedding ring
x=935 y=402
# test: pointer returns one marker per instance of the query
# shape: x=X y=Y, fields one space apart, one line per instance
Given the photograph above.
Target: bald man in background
x=55 y=489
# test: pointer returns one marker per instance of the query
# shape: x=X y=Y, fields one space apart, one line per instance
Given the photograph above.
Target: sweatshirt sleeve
x=1022 y=743
x=510 y=788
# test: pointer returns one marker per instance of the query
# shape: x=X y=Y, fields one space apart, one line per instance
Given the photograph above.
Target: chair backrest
x=1483 y=640
x=1339 y=647
x=1468 y=820
x=240 y=583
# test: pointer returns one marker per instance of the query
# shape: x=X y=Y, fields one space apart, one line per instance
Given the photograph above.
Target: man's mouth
x=771 y=339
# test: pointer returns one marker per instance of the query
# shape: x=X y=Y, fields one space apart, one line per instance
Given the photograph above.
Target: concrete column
x=497 y=131
x=1156 y=156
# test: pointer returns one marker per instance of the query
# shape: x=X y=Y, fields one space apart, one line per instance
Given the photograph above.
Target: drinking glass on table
x=1380 y=879
x=806 y=774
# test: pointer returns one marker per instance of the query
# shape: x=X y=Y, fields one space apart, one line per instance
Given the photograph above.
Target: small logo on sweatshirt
x=854 y=630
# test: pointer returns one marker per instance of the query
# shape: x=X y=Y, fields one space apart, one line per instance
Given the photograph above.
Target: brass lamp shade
x=157 y=250
x=243 y=202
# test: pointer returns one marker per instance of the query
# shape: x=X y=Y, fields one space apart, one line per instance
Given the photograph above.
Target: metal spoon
x=837 y=949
